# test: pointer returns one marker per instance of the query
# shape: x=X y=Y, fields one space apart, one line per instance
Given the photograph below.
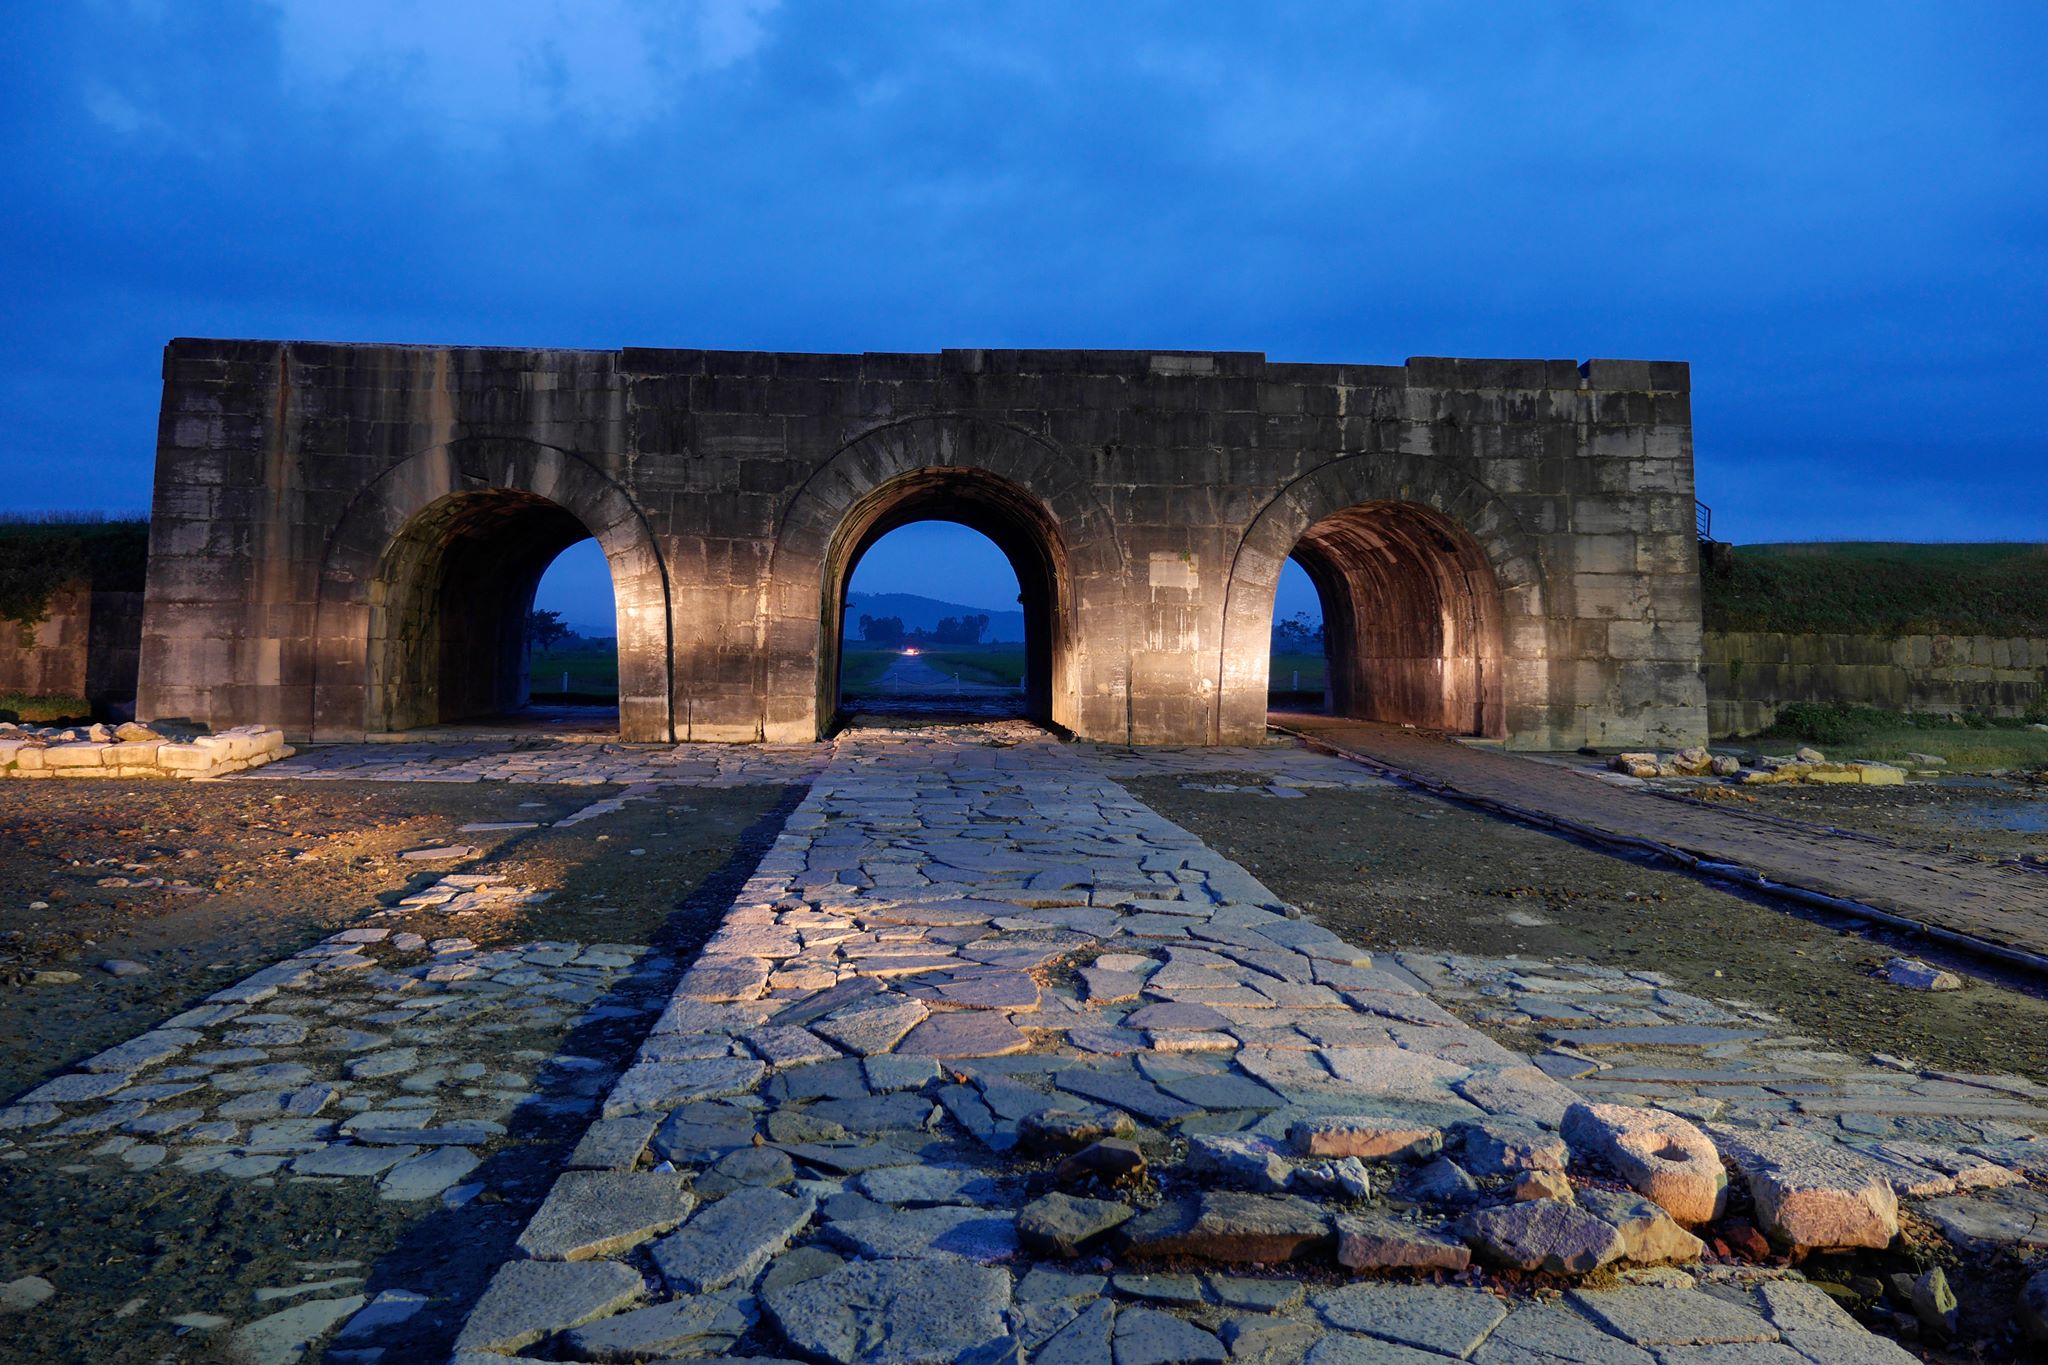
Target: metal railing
x=1703 y=519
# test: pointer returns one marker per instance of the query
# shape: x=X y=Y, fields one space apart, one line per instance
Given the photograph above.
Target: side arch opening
x=450 y=608
x=1412 y=630
x=1010 y=518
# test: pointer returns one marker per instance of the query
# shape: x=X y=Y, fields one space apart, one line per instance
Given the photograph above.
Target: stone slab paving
x=989 y=1062
x=697 y=765
x=2004 y=905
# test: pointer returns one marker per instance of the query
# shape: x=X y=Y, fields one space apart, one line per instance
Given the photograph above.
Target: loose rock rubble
x=133 y=750
x=1807 y=765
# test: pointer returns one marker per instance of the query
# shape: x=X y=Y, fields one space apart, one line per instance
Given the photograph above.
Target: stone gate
x=346 y=538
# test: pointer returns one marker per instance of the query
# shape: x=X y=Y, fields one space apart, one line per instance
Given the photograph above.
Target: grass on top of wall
x=1879 y=588
x=23 y=709
x=38 y=555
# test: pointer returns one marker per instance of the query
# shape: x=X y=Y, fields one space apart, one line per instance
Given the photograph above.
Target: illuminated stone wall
x=340 y=533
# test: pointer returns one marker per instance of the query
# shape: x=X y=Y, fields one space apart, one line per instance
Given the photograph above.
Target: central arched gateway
x=1018 y=490
x=1000 y=510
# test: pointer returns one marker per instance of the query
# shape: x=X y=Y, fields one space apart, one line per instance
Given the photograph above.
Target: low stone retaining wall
x=1750 y=674
x=135 y=751
x=86 y=646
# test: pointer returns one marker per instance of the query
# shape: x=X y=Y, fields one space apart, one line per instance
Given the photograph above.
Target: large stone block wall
x=303 y=500
x=1750 y=674
x=86 y=645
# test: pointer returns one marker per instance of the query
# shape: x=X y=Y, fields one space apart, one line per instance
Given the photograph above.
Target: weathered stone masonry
x=346 y=538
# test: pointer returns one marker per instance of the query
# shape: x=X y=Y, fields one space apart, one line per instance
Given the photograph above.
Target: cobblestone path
x=2003 y=904
x=990 y=1062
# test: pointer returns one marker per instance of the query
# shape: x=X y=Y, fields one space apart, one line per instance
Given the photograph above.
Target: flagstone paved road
x=988 y=1061
x=2004 y=904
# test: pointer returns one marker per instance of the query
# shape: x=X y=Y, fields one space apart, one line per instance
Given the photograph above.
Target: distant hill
x=923 y=613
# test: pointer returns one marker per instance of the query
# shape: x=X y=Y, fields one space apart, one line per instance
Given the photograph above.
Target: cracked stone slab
x=943 y=1230
x=1452 y=1322
x=528 y=1300
x=696 y=1326
x=602 y=1213
x=649 y=1086
x=1648 y=1316
x=731 y=1239
x=970 y=1033
x=894 y=1312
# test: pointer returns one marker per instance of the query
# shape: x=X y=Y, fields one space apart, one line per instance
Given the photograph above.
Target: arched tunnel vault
x=427 y=578
x=1411 y=618
x=449 y=608
x=1009 y=517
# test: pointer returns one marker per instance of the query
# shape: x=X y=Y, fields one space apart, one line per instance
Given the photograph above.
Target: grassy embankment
x=1891 y=589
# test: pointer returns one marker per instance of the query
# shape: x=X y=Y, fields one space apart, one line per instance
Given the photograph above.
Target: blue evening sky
x=1837 y=212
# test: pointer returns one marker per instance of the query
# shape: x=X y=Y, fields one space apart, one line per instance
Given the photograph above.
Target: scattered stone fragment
x=1649 y=1235
x=121 y=966
x=1228 y=1227
x=1068 y=1130
x=282 y=1338
x=1498 y=1146
x=1441 y=1181
x=1934 y=1303
x=894 y=1312
x=1247 y=1161
x=1542 y=1234
x=1916 y=975
x=423 y=1177
x=731 y=1239
x=1810 y=1193
x=602 y=1213
x=1541 y=1185
x=1374 y=1243
x=1661 y=1155
x=1369 y=1138
x=1347 y=1179
x=388 y=1309
x=527 y=1300
x=1057 y=1224
x=613 y=1144
x=347 y=1159
x=1112 y=1161
x=30 y=1291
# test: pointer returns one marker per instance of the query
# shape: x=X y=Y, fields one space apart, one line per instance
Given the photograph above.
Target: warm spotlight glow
x=910 y=652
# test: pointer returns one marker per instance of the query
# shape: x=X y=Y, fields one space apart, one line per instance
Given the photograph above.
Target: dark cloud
x=1837 y=213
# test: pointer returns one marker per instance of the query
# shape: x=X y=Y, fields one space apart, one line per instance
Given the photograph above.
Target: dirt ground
x=166 y=1242
x=1390 y=868
x=1995 y=819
